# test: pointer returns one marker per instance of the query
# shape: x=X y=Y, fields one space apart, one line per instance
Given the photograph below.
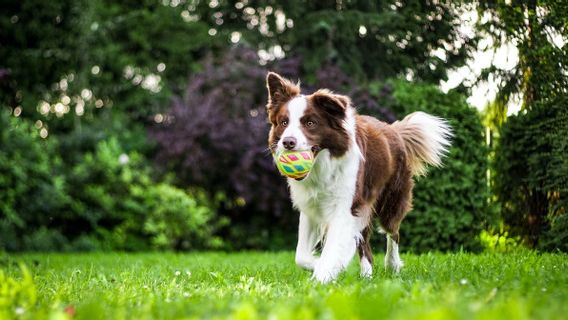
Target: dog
x=363 y=171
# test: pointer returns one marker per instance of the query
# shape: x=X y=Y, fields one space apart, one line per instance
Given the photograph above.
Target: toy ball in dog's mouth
x=294 y=164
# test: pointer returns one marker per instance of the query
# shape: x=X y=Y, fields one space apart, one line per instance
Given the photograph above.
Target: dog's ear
x=333 y=104
x=280 y=90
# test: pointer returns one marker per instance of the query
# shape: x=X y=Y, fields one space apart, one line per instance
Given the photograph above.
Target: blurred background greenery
x=140 y=125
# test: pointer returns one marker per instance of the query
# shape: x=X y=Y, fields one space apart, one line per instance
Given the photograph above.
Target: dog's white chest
x=328 y=189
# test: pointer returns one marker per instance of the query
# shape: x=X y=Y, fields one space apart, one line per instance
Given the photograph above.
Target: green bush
x=556 y=237
x=32 y=194
x=500 y=240
x=105 y=198
x=175 y=220
x=450 y=203
x=531 y=174
x=115 y=197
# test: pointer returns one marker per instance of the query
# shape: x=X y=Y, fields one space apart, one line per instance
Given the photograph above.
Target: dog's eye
x=284 y=123
x=310 y=124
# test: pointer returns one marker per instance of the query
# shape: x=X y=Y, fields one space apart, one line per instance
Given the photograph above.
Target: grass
x=520 y=285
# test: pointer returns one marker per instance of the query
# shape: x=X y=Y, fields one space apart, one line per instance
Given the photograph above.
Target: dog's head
x=312 y=122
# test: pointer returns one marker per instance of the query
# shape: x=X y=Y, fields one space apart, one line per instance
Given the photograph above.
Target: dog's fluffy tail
x=426 y=140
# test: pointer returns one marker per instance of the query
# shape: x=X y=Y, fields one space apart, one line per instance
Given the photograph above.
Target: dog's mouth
x=315 y=150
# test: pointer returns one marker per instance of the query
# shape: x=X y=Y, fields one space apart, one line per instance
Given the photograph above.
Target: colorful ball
x=294 y=164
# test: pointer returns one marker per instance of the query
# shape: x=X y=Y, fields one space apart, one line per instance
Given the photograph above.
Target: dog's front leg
x=339 y=247
x=307 y=240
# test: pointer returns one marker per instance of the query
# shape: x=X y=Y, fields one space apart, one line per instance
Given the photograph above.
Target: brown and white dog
x=363 y=169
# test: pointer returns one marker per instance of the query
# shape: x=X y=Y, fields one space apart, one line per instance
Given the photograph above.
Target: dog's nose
x=289 y=143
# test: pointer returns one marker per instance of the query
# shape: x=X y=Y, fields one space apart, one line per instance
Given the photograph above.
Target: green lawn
x=250 y=285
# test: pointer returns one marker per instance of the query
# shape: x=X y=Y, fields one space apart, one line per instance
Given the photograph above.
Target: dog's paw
x=323 y=273
x=305 y=262
x=394 y=265
x=366 y=268
x=322 y=277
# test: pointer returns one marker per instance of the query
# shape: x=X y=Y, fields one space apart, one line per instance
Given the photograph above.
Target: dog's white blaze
x=296 y=109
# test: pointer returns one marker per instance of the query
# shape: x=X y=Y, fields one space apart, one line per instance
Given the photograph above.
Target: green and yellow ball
x=294 y=164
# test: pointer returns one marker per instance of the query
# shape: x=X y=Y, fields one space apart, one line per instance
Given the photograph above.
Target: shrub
x=450 y=204
x=215 y=137
x=531 y=174
x=499 y=240
x=115 y=197
x=556 y=236
x=104 y=197
x=32 y=193
x=177 y=220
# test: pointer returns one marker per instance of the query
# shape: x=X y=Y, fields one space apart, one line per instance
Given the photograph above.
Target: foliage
x=37 y=40
x=17 y=295
x=537 y=29
x=450 y=204
x=92 y=56
x=530 y=167
x=531 y=172
x=517 y=285
x=103 y=198
x=499 y=240
x=215 y=137
x=98 y=74
x=133 y=55
x=556 y=237
x=366 y=39
x=31 y=191
x=115 y=197
x=175 y=220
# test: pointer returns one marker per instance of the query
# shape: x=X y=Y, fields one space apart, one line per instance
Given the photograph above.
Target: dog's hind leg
x=392 y=258
x=365 y=254
x=392 y=208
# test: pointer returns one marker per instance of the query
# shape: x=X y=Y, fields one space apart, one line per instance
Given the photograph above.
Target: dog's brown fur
x=384 y=182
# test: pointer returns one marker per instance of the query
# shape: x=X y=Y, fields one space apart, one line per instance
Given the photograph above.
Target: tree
x=537 y=28
x=530 y=176
x=69 y=62
x=367 y=39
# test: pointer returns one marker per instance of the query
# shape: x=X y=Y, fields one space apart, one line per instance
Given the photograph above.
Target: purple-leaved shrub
x=215 y=137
